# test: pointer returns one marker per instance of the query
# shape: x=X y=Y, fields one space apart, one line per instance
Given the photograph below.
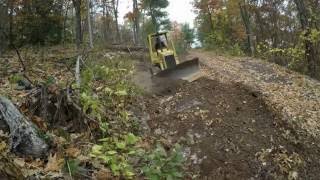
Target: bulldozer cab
x=160 y=48
x=160 y=43
x=163 y=55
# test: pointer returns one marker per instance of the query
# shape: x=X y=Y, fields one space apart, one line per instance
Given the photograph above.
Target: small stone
x=158 y=132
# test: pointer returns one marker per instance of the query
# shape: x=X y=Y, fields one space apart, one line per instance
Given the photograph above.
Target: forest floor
x=244 y=119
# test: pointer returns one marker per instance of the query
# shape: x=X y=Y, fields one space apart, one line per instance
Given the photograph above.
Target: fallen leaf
x=3 y=146
x=82 y=158
x=19 y=162
x=72 y=152
x=103 y=174
x=2 y=134
x=54 y=163
x=39 y=122
x=38 y=163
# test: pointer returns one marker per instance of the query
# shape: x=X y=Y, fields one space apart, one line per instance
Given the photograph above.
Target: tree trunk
x=3 y=26
x=77 y=7
x=65 y=18
x=115 y=5
x=89 y=24
x=246 y=21
x=104 y=23
x=154 y=19
x=11 y=9
x=136 y=27
x=310 y=47
x=210 y=19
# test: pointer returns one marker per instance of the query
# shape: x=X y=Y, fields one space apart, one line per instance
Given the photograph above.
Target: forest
x=98 y=89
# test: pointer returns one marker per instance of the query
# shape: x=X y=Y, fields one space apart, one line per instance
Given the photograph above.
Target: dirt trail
x=296 y=98
x=228 y=127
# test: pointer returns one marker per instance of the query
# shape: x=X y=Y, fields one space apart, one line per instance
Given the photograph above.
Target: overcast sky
x=179 y=10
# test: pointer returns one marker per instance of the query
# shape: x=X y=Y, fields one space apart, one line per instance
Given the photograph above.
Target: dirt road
x=241 y=120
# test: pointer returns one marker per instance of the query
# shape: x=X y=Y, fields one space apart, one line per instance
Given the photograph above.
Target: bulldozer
x=165 y=61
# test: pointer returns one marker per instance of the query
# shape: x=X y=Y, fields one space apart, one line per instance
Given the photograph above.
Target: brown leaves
x=54 y=163
x=72 y=152
x=39 y=122
x=3 y=146
x=103 y=174
x=293 y=95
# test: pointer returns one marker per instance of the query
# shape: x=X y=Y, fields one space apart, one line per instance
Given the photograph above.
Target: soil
x=227 y=130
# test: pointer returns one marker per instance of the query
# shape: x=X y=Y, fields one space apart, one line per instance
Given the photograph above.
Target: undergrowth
x=106 y=94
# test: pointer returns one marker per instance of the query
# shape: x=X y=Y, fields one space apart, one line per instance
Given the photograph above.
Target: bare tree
x=247 y=24
x=3 y=24
x=136 y=27
x=305 y=18
x=65 y=18
x=115 y=6
x=89 y=24
x=77 y=7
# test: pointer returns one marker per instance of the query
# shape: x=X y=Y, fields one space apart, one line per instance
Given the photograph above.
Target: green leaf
x=115 y=169
x=132 y=152
x=111 y=152
x=96 y=150
x=108 y=90
x=121 y=145
x=131 y=139
x=128 y=173
x=121 y=93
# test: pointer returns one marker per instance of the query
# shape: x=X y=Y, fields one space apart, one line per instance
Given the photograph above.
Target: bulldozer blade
x=188 y=70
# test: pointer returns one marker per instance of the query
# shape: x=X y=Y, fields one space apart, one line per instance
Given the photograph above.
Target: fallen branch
x=77 y=69
x=20 y=58
x=17 y=51
x=24 y=137
x=21 y=61
x=127 y=48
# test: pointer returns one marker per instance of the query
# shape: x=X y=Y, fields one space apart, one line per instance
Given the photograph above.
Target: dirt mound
x=228 y=133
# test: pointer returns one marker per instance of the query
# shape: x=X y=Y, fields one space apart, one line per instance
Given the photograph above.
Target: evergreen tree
x=155 y=10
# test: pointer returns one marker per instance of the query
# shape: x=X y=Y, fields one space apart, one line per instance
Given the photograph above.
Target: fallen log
x=24 y=136
x=127 y=48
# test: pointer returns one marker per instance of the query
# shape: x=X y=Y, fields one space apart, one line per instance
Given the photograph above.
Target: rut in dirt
x=228 y=132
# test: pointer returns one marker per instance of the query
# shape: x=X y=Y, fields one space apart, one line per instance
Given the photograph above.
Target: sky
x=179 y=10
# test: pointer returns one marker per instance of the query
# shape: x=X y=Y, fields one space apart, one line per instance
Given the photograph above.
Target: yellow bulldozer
x=165 y=62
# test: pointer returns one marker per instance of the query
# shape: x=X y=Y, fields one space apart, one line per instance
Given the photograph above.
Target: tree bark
x=310 y=47
x=104 y=23
x=115 y=5
x=3 y=25
x=24 y=137
x=65 y=18
x=136 y=27
x=89 y=24
x=11 y=9
x=246 y=21
x=77 y=7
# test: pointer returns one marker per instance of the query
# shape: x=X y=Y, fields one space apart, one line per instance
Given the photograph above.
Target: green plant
x=72 y=167
x=13 y=79
x=90 y=104
x=163 y=165
x=115 y=153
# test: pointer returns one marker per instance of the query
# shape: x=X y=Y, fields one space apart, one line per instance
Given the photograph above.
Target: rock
x=23 y=84
x=158 y=131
